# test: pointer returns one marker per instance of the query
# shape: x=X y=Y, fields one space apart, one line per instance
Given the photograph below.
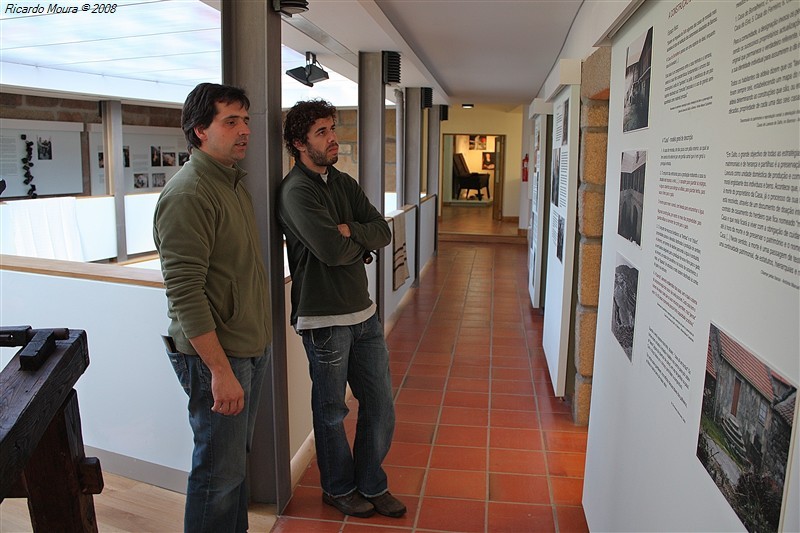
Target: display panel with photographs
x=706 y=211
x=151 y=156
x=562 y=231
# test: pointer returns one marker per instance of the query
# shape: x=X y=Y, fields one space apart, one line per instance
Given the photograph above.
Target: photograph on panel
x=631 y=195
x=44 y=148
x=623 y=312
x=745 y=430
x=560 y=239
x=555 y=176
x=141 y=180
x=155 y=156
x=565 y=123
x=168 y=159
x=159 y=179
x=636 y=109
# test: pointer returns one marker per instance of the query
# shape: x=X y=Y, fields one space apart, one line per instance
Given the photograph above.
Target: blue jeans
x=216 y=495
x=356 y=355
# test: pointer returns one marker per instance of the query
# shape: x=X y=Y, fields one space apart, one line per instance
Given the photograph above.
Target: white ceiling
x=481 y=51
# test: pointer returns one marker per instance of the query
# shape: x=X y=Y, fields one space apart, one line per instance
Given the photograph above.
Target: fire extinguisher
x=525 y=168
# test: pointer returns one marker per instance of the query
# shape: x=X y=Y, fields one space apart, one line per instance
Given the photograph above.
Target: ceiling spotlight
x=467 y=106
x=290 y=7
x=311 y=73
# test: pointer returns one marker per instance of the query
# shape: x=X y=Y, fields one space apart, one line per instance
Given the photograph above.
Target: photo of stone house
x=745 y=430
x=623 y=314
x=637 y=83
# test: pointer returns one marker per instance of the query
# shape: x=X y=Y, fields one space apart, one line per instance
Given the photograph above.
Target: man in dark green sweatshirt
x=330 y=225
x=218 y=301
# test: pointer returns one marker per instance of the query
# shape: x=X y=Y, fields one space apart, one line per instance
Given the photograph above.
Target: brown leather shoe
x=388 y=505
x=353 y=504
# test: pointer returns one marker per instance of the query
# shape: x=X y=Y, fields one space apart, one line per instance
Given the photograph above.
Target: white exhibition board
x=52 y=154
x=697 y=357
x=561 y=228
x=537 y=176
x=151 y=155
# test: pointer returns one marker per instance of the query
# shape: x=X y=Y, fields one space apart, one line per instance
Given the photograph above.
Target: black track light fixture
x=309 y=74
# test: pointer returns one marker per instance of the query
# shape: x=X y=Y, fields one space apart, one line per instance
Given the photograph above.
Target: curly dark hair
x=200 y=107
x=300 y=118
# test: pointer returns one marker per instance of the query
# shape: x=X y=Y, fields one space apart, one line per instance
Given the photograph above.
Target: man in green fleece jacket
x=220 y=334
x=330 y=225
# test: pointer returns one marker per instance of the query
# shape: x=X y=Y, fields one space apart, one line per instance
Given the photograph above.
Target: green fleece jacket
x=205 y=232
x=328 y=274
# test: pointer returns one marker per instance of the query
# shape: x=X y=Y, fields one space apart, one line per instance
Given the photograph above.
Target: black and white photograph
x=560 y=239
x=565 y=124
x=555 y=176
x=44 y=149
x=155 y=156
x=141 y=180
x=159 y=179
x=636 y=109
x=623 y=313
x=168 y=159
x=183 y=157
x=745 y=430
x=126 y=156
x=631 y=195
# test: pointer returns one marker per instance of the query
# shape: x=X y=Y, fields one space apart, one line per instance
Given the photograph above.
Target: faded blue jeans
x=216 y=495
x=356 y=355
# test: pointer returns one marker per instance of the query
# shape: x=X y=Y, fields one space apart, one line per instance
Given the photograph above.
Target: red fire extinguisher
x=525 y=168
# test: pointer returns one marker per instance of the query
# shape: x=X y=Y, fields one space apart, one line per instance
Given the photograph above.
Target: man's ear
x=300 y=145
x=200 y=131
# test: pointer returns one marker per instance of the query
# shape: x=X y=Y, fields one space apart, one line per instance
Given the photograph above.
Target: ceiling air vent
x=391 y=67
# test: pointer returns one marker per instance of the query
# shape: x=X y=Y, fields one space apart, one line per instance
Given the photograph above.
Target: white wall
x=130 y=401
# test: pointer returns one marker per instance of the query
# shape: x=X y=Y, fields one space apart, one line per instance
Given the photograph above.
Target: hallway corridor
x=481 y=444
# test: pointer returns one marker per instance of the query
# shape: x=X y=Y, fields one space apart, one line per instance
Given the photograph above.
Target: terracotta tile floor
x=480 y=444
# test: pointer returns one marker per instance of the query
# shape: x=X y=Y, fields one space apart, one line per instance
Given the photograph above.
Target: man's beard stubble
x=321 y=158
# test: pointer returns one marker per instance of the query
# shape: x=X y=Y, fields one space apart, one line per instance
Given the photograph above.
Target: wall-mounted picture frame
x=477 y=142
x=487 y=161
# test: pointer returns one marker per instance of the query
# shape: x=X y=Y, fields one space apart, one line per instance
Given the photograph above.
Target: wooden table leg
x=60 y=480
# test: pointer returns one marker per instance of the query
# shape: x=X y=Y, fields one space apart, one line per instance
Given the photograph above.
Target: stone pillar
x=595 y=81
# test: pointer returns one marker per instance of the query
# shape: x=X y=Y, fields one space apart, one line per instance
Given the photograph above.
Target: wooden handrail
x=110 y=273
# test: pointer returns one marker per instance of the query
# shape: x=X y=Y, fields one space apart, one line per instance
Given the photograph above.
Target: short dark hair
x=300 y=118
x=200 y=108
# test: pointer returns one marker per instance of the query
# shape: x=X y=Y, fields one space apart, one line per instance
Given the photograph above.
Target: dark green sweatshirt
x=328 y=274
x=205 y=233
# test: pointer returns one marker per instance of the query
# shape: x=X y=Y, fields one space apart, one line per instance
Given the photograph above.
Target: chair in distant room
x=463 y=179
